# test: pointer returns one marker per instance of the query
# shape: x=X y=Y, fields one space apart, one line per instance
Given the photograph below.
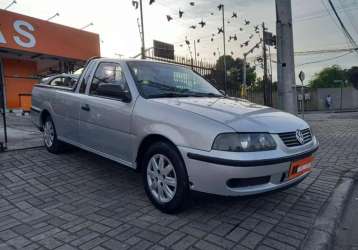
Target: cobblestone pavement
x=81 y=201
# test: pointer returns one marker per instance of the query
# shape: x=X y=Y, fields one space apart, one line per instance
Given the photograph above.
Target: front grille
x=290 y=139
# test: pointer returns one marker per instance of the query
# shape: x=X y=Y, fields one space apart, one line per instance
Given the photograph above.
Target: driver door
x=104 y=119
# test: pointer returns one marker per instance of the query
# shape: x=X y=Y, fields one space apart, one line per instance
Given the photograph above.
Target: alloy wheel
x=49 y=133
x=161 y=178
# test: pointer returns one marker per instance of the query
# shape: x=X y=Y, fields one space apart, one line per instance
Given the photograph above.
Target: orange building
x=31 y=47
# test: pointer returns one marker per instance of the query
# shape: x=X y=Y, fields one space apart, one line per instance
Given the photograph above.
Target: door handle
x=85 y=107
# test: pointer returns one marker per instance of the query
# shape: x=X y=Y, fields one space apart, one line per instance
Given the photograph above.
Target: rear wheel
x=51 y=142
x=165 y=178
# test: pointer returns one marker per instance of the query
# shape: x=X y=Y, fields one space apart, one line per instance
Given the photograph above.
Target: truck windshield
x=158 y=80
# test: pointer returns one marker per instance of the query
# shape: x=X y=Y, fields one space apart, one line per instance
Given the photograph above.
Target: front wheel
x=165 y=178
x=51 y=142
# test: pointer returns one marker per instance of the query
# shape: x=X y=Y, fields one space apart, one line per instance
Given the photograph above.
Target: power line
x=321 y=14
x=345 y=31
x=350 y=18
x=333 y=19
x=319 y=52
x=324 y=51
x=325 y=60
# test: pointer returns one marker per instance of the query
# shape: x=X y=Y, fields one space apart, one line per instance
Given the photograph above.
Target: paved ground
x=21 y=132
x=347 y=232
x=81 y=201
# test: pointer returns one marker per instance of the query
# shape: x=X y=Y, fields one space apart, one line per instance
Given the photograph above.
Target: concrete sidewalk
x=21 y=132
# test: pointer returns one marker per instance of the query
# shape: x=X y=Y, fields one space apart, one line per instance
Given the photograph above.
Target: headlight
x=246 y=142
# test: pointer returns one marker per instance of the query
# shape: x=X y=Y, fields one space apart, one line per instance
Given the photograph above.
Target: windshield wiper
x=197 y=94
x=184 y=94
x=169 y=95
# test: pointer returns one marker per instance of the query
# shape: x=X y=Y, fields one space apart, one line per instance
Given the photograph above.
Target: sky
x=314 y=26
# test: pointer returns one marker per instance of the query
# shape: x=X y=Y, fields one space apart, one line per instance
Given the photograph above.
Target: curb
x=323 y=231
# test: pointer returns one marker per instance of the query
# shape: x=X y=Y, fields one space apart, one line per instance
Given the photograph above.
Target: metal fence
x=203 y=68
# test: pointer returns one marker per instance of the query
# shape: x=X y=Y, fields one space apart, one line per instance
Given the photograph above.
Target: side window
x=109 y=81
x=56 y=82
x=67 y=82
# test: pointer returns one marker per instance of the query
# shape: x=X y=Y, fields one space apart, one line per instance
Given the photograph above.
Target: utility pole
x=287 y=97
x=142 y=29
x=224 y=41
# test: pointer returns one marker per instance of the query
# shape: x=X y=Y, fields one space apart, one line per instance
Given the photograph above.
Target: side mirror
x=115 y=90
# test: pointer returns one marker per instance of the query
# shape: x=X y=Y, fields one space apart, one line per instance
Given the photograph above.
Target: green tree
x=329 y=78
x=352 y=76
x=258 y=85
x=234 y=72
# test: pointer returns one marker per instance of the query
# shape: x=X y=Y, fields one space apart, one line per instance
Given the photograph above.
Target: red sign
x=24 y=33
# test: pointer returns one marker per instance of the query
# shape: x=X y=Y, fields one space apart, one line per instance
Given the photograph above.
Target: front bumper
x=232 y=176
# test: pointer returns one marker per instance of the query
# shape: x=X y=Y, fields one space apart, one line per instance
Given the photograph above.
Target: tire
x=52 y=144
x=168 y=174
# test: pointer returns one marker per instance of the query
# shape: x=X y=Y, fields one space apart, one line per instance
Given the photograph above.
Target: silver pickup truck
x=176 y=128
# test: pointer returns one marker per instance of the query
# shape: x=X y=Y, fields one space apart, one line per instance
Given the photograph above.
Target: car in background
x=60 y=80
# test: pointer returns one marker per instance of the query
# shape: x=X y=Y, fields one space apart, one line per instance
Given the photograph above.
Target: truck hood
x=240 y=115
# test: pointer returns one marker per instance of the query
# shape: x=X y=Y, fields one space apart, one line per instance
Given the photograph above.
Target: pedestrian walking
x=328 y=102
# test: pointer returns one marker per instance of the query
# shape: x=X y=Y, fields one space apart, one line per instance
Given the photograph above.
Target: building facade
x=31 y=48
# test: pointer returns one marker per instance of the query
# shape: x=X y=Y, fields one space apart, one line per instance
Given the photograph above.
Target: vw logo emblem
x=300 y=137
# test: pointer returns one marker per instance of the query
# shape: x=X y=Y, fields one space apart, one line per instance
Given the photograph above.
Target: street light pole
x=52 y=17
x=11 y=4
x=86 y=26
x=195 y=56
x=224 y=41
x=264 y=57
x=142 y=29
x=244 y=69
